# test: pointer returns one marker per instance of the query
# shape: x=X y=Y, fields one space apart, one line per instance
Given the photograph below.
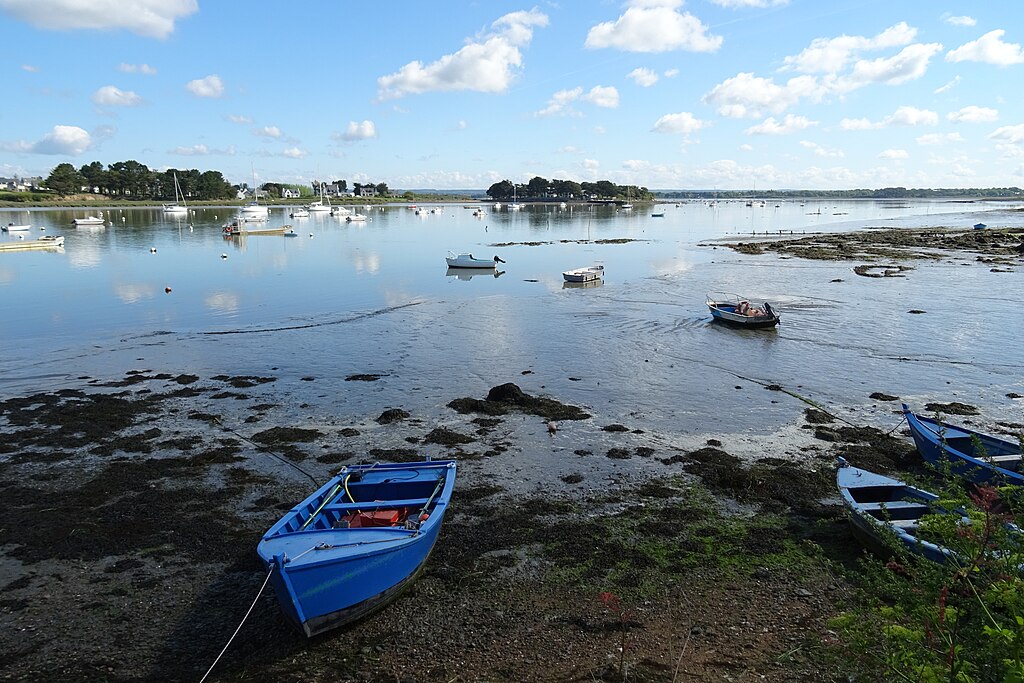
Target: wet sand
x=133 y=505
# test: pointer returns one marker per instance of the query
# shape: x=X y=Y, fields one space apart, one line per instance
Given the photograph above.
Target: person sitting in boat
x=743 y=308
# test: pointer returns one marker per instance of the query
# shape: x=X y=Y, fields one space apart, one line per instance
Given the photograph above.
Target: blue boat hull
x=998 y=461
x=357 y=542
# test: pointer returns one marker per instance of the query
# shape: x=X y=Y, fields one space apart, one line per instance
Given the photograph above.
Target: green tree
x=382 y=189
x=538 y=187
x=502 y=190
x=95 y=176
x=212 y=185
x=65 y=180
x=342 y=185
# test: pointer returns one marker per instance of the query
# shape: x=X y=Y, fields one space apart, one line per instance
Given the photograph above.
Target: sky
x=665 y=94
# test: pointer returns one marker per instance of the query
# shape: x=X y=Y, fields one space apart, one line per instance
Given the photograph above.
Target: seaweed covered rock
x=507 y=397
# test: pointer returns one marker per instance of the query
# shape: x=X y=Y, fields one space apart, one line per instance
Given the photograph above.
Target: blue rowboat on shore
x=977 y=457
x=879 y=507
x=355 y=543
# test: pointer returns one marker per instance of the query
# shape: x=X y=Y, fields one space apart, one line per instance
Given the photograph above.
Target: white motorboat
x=11 y=227
x=586 y=274
x=469 y=261
x=89 y=220
x=356 y=218
x=299 y=213
x=340 y=211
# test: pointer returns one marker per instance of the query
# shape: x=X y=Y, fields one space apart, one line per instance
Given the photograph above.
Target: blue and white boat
x=735 y=310
x=354 y=544
x=977 y=457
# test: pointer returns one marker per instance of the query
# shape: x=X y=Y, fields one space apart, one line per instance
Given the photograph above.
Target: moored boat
x=47 y=242
x=736 y=310
x=470 y=261
x=586 y=274
x=356 y=542
x=977 y=457
x=355 y=218
x=299 y=213
x=11 y=227
x=89 y=220
x=237 y=228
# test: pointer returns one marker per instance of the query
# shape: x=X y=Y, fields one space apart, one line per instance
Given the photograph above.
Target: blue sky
x=704 y=94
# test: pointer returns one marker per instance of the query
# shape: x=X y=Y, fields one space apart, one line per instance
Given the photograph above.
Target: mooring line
x=232 y=638
x=371 y=314
x=263 y=449
x=794 y=395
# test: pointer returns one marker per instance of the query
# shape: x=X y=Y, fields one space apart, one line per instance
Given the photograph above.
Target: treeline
x=881 y=193
x=541 y=188
x=132 y=180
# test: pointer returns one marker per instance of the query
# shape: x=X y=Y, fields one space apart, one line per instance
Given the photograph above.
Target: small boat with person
x=735 y=310
x=979 y=458
x=469 y=261
x=586 y=274
x=355 y=543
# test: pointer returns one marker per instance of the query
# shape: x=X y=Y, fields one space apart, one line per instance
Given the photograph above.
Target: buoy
x=223 y=255
x=167 y=290
x=123 y=219
x=552 y=427
x=424 y=517
x=152 y=250
x=311 y=235
x=42 y=229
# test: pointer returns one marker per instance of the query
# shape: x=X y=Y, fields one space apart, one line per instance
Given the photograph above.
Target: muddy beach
x=133 y=507
x=133 y=504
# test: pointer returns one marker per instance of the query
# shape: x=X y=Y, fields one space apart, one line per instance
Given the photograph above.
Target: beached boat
x=89 y=220
x=299 y=213
x=354 y=544
x=11 y=227
x=469 y=261
x=47 y=242
x=586 y=274
x=179 y=205
x=880 y=506
x=977 y=457
x=734 y=310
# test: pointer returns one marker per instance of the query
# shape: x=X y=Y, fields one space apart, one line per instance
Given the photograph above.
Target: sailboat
x=179 y=200
x=319 y=205
x=627 y=206
x=515 y=205
x=254 y=210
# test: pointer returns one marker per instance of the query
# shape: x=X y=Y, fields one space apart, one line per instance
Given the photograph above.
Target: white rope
x=226 y=645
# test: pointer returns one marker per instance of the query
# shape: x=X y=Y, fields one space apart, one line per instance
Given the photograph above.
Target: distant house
x=367 y=191
x=20 y=184
x=289 y=193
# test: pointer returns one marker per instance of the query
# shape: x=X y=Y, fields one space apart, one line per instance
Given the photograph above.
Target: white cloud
x=643 y=77
x=960 y=21
x=364 y=130
x=30 y=68
x=560 y=101
x=746 y=147
x=948 y=86
x=989 y=49
x=938 y=139
x=910 y=116
x=268 y=132
x=653 y=26
x=461 y=125
x=856 y=124
x=894 y=154
x=144 y=69
x=909 y=64
x=821 y=151
x=210 y=86
x=202 y=150
x=294 y=153
x=62 y=140
x=488 y=65
x=832 y=55
x=973 y=114
x=748 y=96
x=238 y=118
x=671 y=73
x=603 y=96
x=151 y=18
x=1013 y=135
x=591 y=164
x=682 y=123
x=790 y=124
x=110 y=96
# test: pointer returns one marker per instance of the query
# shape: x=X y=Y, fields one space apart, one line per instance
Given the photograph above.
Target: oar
x=327 y=499
x=437 y=489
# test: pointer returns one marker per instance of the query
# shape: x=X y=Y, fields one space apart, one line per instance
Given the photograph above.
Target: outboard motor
x=497 y=259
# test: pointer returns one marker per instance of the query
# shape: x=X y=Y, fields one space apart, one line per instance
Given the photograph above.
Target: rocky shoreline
x=133 y=507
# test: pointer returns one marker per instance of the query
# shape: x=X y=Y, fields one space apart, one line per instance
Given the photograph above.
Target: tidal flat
x=680 y=520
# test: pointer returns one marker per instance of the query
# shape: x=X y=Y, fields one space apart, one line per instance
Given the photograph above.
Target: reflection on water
x=590 y=284
x=373 y=292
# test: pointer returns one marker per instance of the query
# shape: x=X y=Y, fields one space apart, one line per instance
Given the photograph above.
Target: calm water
x=376 y=297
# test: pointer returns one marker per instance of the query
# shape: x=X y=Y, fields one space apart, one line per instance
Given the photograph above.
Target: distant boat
x=179 y=200
x=980 y=226
x=658 y=215
x=236 y=228
x=47 y=242
x=356 y=542
x=11 y=227
x=470 y=261
x=356 y=218
x=977 y=457
x=89 y=220
x=737 y=311
x=586 y=274
x=299 y=213
x=479 y=213
x=340 y=211
x=878 y=506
